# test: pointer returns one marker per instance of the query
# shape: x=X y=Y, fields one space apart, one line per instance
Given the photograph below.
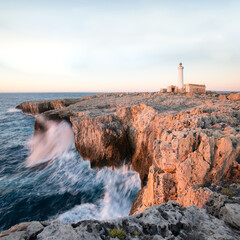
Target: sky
x=118 y=45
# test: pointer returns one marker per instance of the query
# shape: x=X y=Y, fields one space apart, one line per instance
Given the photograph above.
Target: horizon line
x=208 y=90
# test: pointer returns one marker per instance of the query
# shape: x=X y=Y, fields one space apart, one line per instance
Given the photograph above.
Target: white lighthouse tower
x=180 y=77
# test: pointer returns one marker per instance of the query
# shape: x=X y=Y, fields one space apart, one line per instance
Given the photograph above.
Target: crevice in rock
x=34 y=236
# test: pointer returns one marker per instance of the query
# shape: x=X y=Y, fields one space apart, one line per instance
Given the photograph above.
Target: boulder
x=224 y=208
x=230 y=214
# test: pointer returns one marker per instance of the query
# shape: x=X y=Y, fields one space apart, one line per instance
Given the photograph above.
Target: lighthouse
x=180 y=77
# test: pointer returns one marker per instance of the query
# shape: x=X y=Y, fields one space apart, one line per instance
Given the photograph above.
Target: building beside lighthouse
x=187 y=88
x=194 y=88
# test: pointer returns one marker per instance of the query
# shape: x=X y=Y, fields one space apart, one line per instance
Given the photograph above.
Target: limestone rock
x=168 y=221
x=34 y=229
x=166 y=158
x=14 y=236
x=160 y=188
x=17 y=228
x=234 y=96
x=224 y=208
x=222 y=97
x=231 y=214
x=58 y=231
x=25 y=230
x=103 y=140
x=190 y=95
x=43 y=106
x=197 y=197
x=178 y=145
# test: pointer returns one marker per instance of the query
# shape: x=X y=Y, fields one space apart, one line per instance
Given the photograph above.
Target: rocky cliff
x=185 y=148
x=179 y=145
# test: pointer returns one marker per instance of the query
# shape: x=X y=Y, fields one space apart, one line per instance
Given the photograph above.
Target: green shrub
x=119 y=233
x=137 y=233
x=227 y=191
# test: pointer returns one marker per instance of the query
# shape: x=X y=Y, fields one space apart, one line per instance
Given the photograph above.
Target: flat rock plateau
x=186 y=149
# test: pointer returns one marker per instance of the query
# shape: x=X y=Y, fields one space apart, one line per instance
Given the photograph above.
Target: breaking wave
x=81 y=192
x=120 y=189
x=56 y=139
x=13 y=110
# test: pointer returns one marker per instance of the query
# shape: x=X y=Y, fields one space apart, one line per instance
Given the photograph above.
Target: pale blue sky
x=109 y=45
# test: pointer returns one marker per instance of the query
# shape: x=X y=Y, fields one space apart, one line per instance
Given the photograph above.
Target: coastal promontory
x=185 y=148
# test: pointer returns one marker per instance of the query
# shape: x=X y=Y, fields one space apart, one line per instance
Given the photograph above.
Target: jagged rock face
x=222 y=97
x=139 y=119
x=168 y=221
x=193 y=151
x=104 y=140
x=178 y=145
x=43 y=106
x=225 y=208
x=234 y=96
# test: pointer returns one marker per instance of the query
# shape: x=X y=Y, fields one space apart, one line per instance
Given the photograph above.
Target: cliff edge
x=185 y=148
x=179 y=144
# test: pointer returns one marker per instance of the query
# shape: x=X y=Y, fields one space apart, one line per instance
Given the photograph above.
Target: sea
x=45 y=178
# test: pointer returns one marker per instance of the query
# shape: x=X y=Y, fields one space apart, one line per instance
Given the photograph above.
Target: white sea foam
x=13 y=110
x=70 y=174
x=57 y=139
x=80 y=212
x=119 y=185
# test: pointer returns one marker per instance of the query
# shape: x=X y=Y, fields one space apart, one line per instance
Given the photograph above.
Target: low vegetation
x=119 y=233
x=137 y=233
x=227 y=191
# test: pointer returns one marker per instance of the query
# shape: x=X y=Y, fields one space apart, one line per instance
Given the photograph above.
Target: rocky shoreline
x=185 y=148
x=167 y=221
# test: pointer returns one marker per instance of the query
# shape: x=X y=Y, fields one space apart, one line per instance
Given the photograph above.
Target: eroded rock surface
x=225 y=208
x=178 y=145
x=234 y=96
x=168 y=221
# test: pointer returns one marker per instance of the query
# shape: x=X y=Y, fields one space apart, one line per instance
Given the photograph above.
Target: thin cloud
x=96 y=39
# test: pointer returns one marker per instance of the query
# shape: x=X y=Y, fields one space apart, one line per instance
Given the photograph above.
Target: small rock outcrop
x=222 y=97
x=225 y=208
x=234 y=96
x=38 y=107
x=168 y=221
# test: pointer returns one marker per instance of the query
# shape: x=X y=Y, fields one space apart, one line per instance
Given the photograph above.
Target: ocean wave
x=45 y=146
x=120 y=189
x=67 y=188
x=13 y=110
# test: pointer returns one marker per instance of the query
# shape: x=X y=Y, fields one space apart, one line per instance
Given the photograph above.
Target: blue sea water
x=66 y=188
